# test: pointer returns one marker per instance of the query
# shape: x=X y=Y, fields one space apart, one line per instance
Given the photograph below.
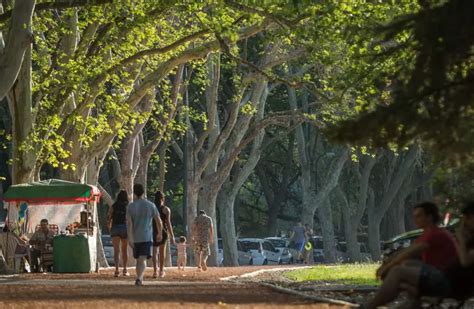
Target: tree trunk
x=78 y=173
x=18 y=44
x=329 y=182
x=225 y=203
x=128 y=162
x=21 y=109
x=145 y=156
x=93 y=170
x=191 y=210
x=395 y=183
x=327 y=231
x=350 y=229
x=350 y=234
x=374 y=235
x=162 y=169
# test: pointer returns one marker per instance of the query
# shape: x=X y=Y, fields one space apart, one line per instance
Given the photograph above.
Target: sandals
x=155 y=275
x=117 y=273
x=126 y=273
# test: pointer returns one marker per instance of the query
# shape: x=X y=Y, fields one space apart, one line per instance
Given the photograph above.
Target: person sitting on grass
x=426 y=277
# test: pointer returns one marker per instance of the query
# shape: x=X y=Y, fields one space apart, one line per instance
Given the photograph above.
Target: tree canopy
x=432 y=91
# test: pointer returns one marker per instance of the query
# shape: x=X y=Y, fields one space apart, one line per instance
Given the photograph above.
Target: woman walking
x=165 y=215
x=118 y=231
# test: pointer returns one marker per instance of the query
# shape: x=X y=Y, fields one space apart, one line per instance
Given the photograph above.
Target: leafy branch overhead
x=433 y=92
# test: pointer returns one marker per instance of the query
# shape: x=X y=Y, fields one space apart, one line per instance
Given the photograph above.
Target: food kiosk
x=70 y=207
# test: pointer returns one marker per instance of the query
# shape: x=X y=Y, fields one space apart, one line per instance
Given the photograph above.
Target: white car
x=245 y=258
x=281 y=244
x=108 y=249
x=262 y=250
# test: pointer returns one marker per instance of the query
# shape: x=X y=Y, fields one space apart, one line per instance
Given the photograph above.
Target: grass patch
x=356 y=274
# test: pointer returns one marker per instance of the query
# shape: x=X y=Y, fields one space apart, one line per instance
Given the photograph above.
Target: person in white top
x=181 y=246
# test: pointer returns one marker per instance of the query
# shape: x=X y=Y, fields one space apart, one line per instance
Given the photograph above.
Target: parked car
x=364 y=253
x=281 y=244
x=108 y=249
x=318 y=251
x=404 y=240
x=263 y=252
x=245 y=257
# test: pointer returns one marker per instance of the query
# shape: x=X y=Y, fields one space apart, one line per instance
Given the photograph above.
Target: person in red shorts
x=437 y=249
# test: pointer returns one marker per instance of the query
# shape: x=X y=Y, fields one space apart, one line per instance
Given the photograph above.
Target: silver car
x=281 y=244
x=244 y=258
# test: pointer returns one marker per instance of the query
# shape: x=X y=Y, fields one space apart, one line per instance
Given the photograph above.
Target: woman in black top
x=165 y=215
x=118 y=231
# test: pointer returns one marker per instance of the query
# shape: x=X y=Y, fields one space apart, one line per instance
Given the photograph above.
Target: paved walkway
x=189 y=289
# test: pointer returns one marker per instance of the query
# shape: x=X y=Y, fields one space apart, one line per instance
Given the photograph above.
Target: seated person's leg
x=398 y=275
x=433 y=282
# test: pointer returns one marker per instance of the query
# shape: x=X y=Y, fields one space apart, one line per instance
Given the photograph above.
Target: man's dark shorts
x=433 y=282
x=119 y=230
x=142 y=249
x=299 y=246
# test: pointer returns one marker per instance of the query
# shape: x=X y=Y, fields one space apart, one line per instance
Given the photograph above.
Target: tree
x=432 y=93
x=18 y=41
x=87 y=89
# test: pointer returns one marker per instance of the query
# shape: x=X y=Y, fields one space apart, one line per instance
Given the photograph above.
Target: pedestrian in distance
x=117 y=222
x=203 y=237
x=308 y=247
x=140 y=215
x=181 y=248
x=298 y=238
x=167 y=233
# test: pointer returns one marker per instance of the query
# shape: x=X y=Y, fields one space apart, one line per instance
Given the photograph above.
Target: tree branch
x=280 y=20
x=19 y=39
x=105 y=195
x=58 y=4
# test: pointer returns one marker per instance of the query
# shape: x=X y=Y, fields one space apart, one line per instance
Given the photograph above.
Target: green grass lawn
x=357 y=274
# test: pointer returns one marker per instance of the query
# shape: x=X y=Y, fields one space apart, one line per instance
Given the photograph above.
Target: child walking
x=181 y=246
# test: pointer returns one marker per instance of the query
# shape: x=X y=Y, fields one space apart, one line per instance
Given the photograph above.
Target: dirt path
x=189 y=289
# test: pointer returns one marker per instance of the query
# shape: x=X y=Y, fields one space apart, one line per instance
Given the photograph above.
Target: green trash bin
x=71 y=254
